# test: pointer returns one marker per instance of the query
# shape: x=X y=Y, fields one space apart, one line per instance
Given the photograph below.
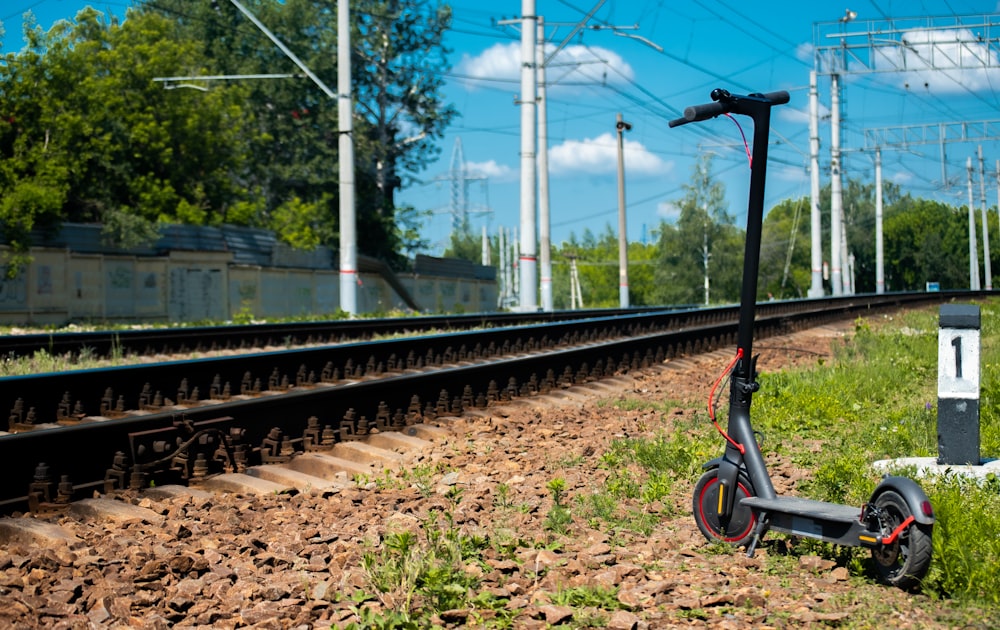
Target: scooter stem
x=744 y=378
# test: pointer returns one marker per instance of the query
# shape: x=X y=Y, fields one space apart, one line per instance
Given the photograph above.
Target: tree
x=88 y=136
x=400 y=49
x=926 y=241
x=465 y=245
x=703 y=235
x=785 y=250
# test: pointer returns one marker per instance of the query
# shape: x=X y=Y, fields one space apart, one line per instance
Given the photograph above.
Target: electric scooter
x=735 y=501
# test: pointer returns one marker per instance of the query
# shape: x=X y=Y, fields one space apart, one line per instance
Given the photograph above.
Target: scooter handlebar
x=776 y=98
x=697 y=113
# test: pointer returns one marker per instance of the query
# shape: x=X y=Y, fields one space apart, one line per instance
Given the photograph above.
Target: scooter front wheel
x=904 y=561
x=737 y=529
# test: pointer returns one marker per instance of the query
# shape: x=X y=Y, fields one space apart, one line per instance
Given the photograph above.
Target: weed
x=422 y=478
x=414 y=578
x=603 y=597
x=501 y=497
x=559 y=517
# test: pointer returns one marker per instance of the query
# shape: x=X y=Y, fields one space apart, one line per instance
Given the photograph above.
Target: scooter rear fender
x=912 y=493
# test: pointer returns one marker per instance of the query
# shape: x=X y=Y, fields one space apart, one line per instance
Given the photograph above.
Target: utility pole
x=882 y=46
x=816 y=285
x=986 y=229
x=575 y=294
x=879 y=254
x=544 y=217
x=907 y=136
x=973 y=254
x=348 y=221
x=621 y=127
x=486 y=249
x=527 y=261
x=705 y=256
x=836 y=185
x=533 y=103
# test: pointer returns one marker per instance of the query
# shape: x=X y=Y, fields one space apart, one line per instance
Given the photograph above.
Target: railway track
x=134 y=426
x=191 y=339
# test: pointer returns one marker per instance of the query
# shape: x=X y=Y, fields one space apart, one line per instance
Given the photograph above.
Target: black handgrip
x=777 y=98
x=696 y=113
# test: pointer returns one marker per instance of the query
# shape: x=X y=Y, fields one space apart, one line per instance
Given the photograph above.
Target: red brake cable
x=712 y=399
x=745 y=145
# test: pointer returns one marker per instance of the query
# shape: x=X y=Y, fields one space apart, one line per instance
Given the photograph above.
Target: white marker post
x=958 y=385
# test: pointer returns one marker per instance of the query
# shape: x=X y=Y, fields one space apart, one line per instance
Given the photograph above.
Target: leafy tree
x=597 y=266
x=703 y=227
x=926 y=241
x=88 y=136
x=786 y=250
x=409 y=220
x=399 y=49
x=466 y=245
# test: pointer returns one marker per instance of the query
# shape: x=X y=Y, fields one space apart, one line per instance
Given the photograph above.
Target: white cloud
x=490 y=169
x=600 y=156
x=790 y=173
x=805 y=51
x=901 y=178
x=572 y=66
x=941 y=61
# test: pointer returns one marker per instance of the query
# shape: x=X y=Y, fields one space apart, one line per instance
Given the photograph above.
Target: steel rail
x=185 y=339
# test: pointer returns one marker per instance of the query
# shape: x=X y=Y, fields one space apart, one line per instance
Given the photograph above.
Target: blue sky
x=760 y=46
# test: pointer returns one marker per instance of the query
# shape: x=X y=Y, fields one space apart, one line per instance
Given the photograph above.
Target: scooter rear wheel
x=737 y=530
x=905 y=561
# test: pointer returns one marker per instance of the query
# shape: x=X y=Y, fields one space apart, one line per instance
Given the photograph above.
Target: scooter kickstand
x=758 y=533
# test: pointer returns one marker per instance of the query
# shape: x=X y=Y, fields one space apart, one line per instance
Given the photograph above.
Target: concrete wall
x=62 y=286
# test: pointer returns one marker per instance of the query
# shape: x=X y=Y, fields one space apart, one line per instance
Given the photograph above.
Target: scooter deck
x=797 y=506
x=831 y=522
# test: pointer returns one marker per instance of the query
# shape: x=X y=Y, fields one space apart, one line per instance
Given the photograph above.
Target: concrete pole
x=836 y=194
x=348 y=239
x=986 y=229
x=544 y=218
x=704 y=261
x=816 y=286
x=502 y=293
x=528 y=272
x=973 y=253
x=515 y=273
x=846 y=258
x=621 y=127
x=879 y=253
x=486 y=249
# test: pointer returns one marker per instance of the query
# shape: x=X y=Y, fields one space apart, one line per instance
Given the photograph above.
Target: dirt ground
x=280 y=561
